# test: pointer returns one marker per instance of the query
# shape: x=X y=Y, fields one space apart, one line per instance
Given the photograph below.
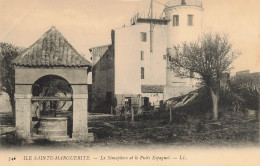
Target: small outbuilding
x=51 y=90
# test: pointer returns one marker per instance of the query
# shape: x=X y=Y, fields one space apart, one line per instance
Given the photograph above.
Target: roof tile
x=51 y=50
x=152 y=88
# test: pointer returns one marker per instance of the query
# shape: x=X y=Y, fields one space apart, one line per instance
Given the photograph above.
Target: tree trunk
x=214 y=96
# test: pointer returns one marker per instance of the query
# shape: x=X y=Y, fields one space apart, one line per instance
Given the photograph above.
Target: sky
x=88 y=23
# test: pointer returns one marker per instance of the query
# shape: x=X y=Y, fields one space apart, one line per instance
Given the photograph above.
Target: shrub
x=241 y=89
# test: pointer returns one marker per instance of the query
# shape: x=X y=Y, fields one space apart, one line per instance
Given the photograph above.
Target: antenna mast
x=151 y=28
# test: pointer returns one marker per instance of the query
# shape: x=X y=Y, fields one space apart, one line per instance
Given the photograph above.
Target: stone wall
x=103 y=79
x=30 y=75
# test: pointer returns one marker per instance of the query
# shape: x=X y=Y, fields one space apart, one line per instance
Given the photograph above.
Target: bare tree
x=208 y=58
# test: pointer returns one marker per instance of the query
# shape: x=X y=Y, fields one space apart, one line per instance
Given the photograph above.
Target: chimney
x=183 y=2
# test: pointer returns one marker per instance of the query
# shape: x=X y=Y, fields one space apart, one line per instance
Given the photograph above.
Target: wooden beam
x=154 y=21
x=51 y=98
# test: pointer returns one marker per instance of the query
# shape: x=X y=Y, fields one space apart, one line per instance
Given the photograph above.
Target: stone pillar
x=80 y=118
x=23 y=115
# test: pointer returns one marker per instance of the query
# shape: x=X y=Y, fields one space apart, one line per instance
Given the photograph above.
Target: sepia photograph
x=123 y=82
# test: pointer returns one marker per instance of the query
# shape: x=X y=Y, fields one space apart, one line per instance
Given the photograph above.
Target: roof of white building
x=152 y=88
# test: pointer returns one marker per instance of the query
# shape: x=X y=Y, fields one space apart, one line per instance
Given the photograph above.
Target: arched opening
x=55 y=82
x=52 y=106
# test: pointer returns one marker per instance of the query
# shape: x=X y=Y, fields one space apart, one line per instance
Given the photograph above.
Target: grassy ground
x=232 y=129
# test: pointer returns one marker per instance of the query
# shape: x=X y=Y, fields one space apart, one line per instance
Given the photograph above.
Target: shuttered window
x=190 y=20
x=143 y=36
x=142 y=73
x=142 y=55
x=175 y=20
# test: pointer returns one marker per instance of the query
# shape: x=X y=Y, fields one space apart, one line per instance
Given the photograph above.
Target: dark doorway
x=146 y=101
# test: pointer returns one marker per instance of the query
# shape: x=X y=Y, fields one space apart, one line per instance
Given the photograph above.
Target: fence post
x=170 y=114
x=125 y=114
x=133 y=114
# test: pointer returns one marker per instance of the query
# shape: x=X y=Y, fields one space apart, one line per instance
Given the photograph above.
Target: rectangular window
x=175 y=20
x=190 y=20
x=143 y=36
x=142 y=55
x=142 y=73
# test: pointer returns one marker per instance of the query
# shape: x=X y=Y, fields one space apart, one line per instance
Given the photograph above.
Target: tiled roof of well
x=51 y=50
x=152 y=88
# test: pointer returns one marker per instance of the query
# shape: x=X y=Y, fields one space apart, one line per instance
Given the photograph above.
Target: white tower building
x=186 y=20
x=185 y=25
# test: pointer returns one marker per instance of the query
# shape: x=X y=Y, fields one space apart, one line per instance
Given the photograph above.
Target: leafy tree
x=208 y=58
x=8 y=53
x=248 y=87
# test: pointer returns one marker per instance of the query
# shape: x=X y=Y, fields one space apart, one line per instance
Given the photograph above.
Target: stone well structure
x=51 y=55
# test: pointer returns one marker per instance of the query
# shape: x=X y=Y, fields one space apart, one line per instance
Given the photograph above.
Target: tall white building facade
x=134 y=69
